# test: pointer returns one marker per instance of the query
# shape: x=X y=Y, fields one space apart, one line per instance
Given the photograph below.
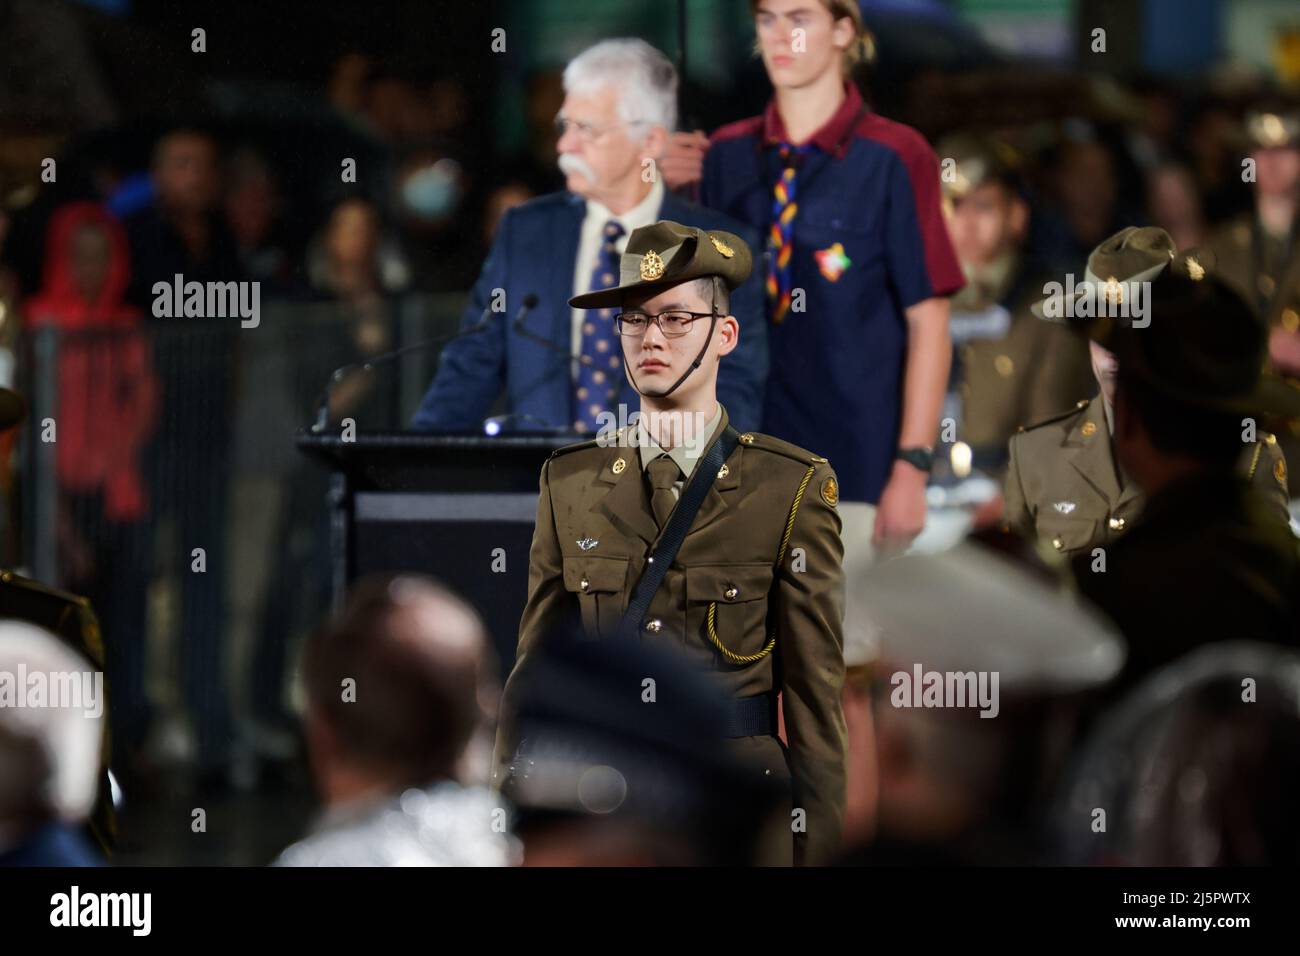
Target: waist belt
x=751 y=716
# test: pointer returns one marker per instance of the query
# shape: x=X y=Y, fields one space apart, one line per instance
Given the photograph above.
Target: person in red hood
x=107 y=406
x=107 y=391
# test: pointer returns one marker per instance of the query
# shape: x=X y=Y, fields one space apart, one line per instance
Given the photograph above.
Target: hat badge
x=652 y=266
x=1114 y=291
x=723 y=249
x=1195 y=270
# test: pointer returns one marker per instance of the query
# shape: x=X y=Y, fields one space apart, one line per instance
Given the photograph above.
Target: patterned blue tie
x=598 y=371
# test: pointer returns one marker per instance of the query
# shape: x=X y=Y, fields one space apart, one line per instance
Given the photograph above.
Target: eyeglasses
x=588 y=132
x=672 y=323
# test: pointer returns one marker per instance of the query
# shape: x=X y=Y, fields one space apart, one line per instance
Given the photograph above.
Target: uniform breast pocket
x=726 y=608
x=1068 y=535
x=600 y=584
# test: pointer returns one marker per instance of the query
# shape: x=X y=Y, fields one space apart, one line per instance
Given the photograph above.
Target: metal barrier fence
x=158 y=477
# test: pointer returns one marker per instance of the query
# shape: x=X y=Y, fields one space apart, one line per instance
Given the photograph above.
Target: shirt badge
x=1064 y=507
x=832 y=261
x=586 y=544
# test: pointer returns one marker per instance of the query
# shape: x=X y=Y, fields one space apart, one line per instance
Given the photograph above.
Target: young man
x=1063 y=486
x=754 y=593
x=858 y=265
x=1009 y=368
x=559 y=368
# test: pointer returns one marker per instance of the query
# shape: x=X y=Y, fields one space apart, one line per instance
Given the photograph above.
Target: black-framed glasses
x=672 y=322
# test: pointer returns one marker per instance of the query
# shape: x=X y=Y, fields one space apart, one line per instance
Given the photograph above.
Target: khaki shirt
x=1064 y=491
x=595 y=529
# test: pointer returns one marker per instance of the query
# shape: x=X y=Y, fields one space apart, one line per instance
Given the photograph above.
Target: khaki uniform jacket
x=1038 y=368
x=728 y=560
x=1274 y=283
x=1062 y=488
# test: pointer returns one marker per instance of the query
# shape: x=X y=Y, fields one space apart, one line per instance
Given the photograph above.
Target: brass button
x=747 y=439
x=1057 y=544
x=730 y=593
x=1291 y=320
x=584 y=584
x=654 y=625
x=1004 y=365
x=1089 y=429
x=618 y=466
x=724 y=471
x=1116 y=524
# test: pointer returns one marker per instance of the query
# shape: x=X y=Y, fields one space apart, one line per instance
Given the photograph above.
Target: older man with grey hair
x=559 y=367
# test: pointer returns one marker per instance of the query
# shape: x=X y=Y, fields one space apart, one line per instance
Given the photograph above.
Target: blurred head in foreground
x=621 y=761
x=981 y=667
x=398 y=685
x=51 y=713
x=1197 y=766
x=400 y=692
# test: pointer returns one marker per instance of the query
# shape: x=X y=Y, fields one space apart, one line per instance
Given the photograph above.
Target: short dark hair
x=1211 y=437
x=715 y=291
x=416 y=702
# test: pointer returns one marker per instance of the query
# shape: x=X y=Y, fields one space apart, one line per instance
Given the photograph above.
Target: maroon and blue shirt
x=869 y=241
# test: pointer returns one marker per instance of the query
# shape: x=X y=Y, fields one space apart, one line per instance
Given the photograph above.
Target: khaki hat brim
x=613 y=297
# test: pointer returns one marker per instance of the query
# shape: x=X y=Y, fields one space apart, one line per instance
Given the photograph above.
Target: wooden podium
x=460 y=508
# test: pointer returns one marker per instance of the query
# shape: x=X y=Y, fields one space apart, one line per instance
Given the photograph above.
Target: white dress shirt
x=592 y=238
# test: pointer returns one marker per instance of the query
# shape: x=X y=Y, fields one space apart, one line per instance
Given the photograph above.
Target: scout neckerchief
x=781 y=234
x=784 y=208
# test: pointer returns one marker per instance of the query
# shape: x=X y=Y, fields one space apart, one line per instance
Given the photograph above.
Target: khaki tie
x=663 y=472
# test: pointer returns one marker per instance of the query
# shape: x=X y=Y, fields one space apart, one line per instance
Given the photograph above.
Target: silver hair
x=645 y=79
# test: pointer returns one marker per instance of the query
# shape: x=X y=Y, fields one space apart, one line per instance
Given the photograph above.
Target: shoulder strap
x=679 y=522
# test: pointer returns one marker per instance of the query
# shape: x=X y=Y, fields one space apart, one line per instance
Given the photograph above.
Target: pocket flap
x=599 y=574
x=728 y=583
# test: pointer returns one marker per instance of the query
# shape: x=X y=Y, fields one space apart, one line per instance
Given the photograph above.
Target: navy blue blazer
x=534 y=252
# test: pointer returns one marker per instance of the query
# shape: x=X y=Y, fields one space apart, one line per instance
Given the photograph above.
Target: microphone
x=323 y=402
x=530 y=301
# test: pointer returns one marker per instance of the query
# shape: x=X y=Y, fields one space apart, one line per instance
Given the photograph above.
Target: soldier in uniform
x=754 y=595
x=1206 y=561
x=1258 y=254
x=1008 y=367
x=68 y=617
x=1064 y=487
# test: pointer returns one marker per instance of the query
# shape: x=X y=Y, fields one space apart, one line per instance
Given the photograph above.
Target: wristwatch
x=920 y=457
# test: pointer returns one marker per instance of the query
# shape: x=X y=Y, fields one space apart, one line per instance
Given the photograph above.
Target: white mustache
x=570 y=163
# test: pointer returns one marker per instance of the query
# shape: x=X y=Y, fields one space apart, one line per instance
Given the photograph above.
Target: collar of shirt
x=642 y=214
x=833 y=137
x=685 y=454
x=589 y=242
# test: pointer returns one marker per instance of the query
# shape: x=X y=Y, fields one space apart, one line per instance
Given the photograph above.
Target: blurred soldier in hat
x=970 y=720
x=679 y=532
x=1008 y=368
x=69 y=617
x=1258 y=254
x=1064 y=487
x=607 y=778
x=1207 y=559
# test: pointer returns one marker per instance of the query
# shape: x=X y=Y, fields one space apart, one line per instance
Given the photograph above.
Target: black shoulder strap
x=679 y=522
